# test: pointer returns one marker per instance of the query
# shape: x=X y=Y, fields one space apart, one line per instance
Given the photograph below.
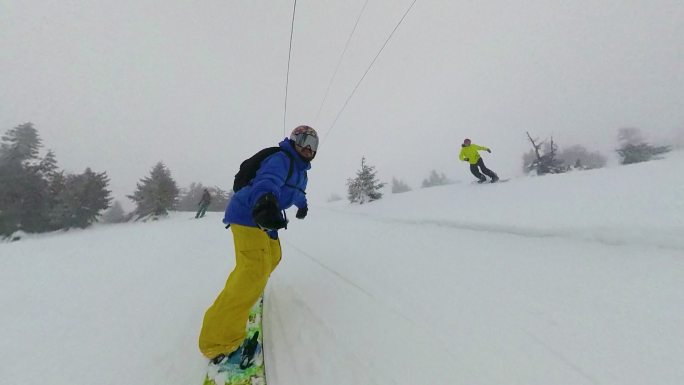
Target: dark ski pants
x=202 y=210
x=475 y=169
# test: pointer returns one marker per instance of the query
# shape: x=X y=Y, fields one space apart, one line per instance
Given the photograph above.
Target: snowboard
x=232 y=374
x=490 y=182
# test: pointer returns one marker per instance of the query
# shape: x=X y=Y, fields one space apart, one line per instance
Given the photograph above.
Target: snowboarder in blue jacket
x=255 y=215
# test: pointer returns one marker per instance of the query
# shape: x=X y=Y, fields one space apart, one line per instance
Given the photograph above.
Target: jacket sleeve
x=461 y=156
x=300 y=196
x=270 y=177
x=481 y=148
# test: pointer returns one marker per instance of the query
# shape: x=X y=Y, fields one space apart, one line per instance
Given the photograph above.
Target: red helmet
x=466 y=141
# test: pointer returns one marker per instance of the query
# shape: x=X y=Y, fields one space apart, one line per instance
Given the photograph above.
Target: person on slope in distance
x=469 y=153
x=203 y=204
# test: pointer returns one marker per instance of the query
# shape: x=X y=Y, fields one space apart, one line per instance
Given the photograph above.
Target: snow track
x=536 y=309
x=632 y=236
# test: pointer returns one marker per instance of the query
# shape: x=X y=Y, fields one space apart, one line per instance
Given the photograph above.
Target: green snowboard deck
x=233 y=375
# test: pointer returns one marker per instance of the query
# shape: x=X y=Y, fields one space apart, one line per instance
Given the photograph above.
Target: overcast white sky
x=200 y=85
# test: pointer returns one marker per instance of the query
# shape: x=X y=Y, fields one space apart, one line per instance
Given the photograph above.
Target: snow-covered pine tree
x=20 y=144
x=93 y=195
x=435 y=179
x=365 y=187
x=81 y=199
x=543 y=161
x=550 y=162
x=156 y=194
x=642 y=152
x=115 y=214
x=398 y=186
x=23 y=190
x=35 y=196
x=47 y=167
x=634 y=149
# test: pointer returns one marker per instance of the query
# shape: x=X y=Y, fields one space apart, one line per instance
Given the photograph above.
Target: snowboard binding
x=249 y=350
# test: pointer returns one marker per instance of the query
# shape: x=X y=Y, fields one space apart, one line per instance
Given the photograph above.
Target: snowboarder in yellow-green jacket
x=470 y=154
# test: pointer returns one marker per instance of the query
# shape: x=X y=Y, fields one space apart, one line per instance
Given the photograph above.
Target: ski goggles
x=306 y=140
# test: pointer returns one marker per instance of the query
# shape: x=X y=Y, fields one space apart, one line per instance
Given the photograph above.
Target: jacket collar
x=300 y=163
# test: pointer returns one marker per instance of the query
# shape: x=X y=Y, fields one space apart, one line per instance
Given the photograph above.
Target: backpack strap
x=290 y=171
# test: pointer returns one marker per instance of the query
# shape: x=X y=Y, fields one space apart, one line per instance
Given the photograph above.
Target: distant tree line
x=158 y=193
x=366 y=187
x=435 y=179
x=635 y=149
x=399 y=186
x=545 y=157
x=35 y=196
x=191 y=196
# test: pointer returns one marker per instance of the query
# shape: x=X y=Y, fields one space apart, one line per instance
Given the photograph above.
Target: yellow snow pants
x=256 y=256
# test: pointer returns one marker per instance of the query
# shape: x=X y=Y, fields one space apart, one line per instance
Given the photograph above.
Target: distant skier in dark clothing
x=469 y=153
x=203 y=204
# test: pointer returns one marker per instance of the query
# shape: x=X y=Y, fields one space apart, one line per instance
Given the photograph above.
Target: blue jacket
x=270 y=178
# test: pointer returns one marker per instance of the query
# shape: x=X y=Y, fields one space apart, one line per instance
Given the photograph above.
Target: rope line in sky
x=367 y=70
x=344 y=51
x=287 y=76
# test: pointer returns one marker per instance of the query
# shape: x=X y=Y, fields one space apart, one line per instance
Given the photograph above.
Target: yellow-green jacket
x=471 y=153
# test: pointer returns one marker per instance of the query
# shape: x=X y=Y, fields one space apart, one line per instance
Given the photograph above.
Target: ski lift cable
x=339 y=61
x=367 y=70
x=289 y=56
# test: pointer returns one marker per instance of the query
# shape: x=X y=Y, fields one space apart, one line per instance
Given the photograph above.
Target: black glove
x=301 y=212
x=266 y=213
x=466 y=160
x=489 y=151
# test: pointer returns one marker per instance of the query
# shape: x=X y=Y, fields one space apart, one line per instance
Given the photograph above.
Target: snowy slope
x=565 y=279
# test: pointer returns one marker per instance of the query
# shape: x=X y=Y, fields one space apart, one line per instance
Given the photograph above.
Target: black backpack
x=249 y=167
